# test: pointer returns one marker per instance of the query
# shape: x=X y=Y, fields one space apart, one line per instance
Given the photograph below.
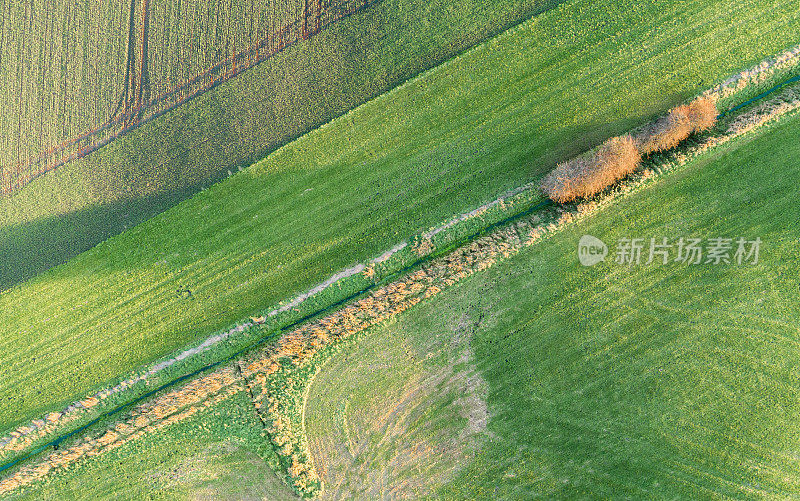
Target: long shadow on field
x=466 y=176
x=31 y=248
x=171 y=158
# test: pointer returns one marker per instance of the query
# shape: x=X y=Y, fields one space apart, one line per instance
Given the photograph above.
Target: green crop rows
x=659 y=381
x=344 y=193
x=536 y=376
x=169 y=159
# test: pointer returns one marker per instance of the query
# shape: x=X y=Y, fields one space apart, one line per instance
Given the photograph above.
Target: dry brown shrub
x=592 y=172
x=589 y=174
x=369 y=271
x=423 y=247
x=703 y=113
x=668 y=131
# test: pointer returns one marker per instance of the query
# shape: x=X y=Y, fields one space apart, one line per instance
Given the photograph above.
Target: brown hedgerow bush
x=591 y=173
x=667 y=132
x=703 y=113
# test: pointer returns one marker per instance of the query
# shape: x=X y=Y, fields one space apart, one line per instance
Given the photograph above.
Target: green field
x=660 y=381
x=490 y=120
x=219 y=453
x=540 y=377
x=150 y=169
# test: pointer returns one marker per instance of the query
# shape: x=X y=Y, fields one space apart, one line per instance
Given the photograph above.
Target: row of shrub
x=596 y=170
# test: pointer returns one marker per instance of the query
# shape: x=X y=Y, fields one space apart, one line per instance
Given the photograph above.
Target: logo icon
x=591 y=250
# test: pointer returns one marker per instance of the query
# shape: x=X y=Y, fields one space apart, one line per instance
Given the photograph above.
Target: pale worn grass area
x=549 y=325
x=397 y=413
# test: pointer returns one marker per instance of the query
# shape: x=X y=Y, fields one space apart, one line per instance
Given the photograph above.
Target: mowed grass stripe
x=403 y=162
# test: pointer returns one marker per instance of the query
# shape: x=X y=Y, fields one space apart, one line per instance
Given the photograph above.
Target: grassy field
x=412 y=159
x=660 y=381
x=168 y=160
x=219 y=453
x=405 y=409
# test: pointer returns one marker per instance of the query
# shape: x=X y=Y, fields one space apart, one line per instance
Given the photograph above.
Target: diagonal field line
x=384 y=302
x=760 y=96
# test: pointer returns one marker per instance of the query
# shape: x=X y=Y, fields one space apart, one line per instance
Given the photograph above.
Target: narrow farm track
x=261 y=368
